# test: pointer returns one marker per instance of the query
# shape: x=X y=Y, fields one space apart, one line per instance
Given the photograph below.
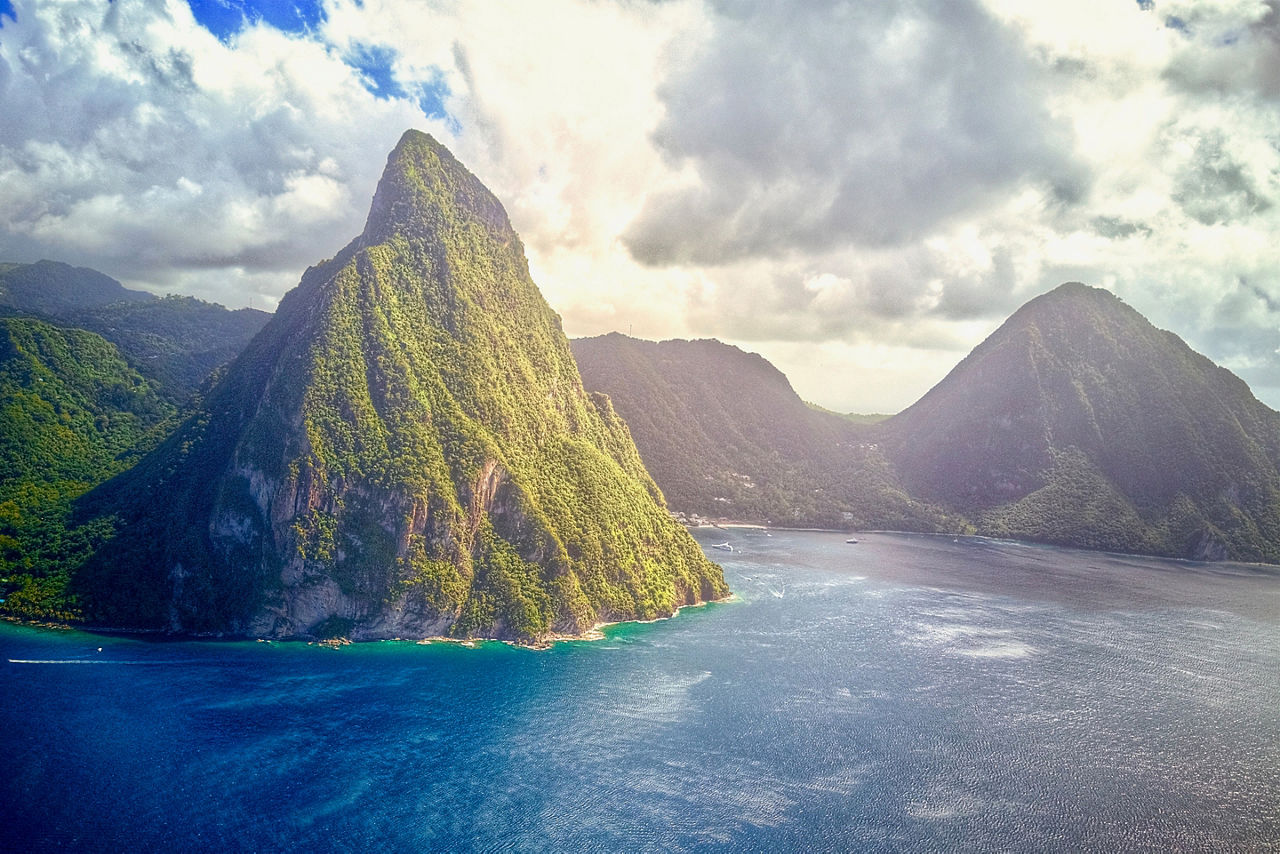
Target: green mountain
x=405 y=450
x=54 y=288
x=1078 y=422
x=177 y=341
x=72 y=414
x=725 y=435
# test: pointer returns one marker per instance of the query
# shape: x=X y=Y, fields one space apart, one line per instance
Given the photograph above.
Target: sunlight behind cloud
x=679 y=169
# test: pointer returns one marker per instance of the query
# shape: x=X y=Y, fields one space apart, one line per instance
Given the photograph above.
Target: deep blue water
x=904 y=693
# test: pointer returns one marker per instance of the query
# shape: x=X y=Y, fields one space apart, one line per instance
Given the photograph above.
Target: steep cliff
x=405 y=450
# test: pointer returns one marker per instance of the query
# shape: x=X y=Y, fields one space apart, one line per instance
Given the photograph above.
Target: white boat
x=852 y=540
x=724 y=547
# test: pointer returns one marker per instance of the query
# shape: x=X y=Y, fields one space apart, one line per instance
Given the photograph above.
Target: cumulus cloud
x=1159 y=116
x=804 y=127
x=855 y=189
x=1227 y=47
x=137 y=142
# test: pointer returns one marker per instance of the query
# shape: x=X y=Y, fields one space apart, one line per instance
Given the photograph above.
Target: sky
x=859 y=191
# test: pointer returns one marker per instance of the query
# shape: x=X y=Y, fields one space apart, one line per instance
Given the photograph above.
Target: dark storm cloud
x=833 y=124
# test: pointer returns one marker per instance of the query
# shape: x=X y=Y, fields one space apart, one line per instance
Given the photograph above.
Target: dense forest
x=73 y=413
x=1078 y=422
x=177 y=341
x=725 y=436
x=92 y=376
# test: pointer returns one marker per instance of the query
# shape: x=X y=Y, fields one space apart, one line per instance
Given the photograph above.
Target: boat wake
x=81 y=661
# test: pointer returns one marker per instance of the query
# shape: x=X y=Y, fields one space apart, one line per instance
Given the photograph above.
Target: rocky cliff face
x=405 y=450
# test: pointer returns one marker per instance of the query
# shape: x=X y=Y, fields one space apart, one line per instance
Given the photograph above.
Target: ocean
x=902 y=693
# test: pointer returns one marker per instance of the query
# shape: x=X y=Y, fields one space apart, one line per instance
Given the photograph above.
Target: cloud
x=1227 y=48
x=803 y=128
x=137 y=142
x=869 y=187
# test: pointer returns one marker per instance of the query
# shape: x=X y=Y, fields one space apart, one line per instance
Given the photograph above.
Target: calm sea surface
x=904 y=693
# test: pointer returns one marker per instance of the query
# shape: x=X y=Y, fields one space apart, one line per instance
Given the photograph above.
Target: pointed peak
x=424 y=189
x=419 y=146
x=1080 y=289
x=1072 y=300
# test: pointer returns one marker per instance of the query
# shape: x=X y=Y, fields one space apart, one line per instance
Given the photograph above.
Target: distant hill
x=54 y=288
x=1078 y=422
x=72 y=414
x=175 y=340
x=725 y=436
x=78 y=407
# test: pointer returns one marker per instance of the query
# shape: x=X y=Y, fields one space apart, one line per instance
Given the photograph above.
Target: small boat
x=852 y=540
x=724 y=547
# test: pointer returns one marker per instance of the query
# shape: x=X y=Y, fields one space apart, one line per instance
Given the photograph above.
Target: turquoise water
x=902 y=693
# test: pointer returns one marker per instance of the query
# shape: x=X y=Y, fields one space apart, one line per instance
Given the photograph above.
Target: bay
x=903 y=693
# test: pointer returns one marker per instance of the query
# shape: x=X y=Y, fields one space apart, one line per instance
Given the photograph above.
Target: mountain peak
x=1078 y=411
x=425 y=192
x=1073 y=294
x=1078 y=288
x=406 y=449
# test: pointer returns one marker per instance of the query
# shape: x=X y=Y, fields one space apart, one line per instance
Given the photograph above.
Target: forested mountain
x=55 y=289
x=72 y=414
x=405 y=450
x=175 y=340
x=92 y=375
x=1076 y=423
x=725 y=435
x=1079 y=422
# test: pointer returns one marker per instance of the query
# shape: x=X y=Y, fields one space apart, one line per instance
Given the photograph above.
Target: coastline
x=595 y=633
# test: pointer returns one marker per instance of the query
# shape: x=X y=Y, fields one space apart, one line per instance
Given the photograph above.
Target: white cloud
x=139 y=144
x=864 y=187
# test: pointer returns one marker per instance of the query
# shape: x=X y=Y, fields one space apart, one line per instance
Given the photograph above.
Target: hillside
x=1078 y=422
x=178 y=341
x=405 y=450
x=72 y=414
x=55 y=289
x=724 y=435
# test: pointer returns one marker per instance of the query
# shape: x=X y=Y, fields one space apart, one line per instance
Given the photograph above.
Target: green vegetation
x=407 y=445
x=54 y=289
x=79 y=408
x=72 y=414
x=1076 y=423
x=406 y=448
x=726 y=436
x=176 y=341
